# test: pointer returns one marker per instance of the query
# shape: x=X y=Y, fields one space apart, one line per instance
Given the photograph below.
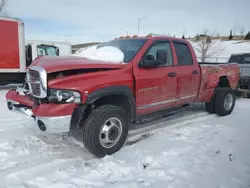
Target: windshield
x=129 y=47
x=46 y=50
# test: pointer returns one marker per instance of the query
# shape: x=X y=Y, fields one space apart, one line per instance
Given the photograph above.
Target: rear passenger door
x=188 y=74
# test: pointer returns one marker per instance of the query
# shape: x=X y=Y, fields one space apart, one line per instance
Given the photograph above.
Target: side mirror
x=151 y=63
x=150 y=57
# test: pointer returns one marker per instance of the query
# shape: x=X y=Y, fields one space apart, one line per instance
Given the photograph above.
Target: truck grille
x=37 y=81
x=34 y=75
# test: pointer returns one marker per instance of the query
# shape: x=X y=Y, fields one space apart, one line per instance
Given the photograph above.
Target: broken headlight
x=64 y=96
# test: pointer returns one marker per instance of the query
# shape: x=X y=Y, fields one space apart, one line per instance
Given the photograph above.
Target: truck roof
x=240 y=54
x=149 y=36
x=27 y=41
x=4 y=18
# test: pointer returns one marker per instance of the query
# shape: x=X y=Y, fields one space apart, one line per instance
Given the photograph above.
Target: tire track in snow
x=171 y=123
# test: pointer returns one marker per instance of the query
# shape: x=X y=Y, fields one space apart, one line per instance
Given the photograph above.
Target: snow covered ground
x=197 y=151
x=224 y=49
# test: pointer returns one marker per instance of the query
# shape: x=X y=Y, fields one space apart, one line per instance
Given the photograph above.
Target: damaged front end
x=24 y=103
x=51 y=109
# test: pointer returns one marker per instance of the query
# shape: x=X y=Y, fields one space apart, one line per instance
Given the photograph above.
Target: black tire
x=221 y=94
x=93 y=125
x=210 y=106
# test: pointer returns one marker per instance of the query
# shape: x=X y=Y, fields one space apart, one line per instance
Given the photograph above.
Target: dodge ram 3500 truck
x=103 y=98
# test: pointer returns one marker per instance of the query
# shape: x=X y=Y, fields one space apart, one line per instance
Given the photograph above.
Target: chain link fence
x=214 y=59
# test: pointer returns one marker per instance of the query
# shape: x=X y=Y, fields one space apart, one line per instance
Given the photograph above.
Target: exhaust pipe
x=19 y=108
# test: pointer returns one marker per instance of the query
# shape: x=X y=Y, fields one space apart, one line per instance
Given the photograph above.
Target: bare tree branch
x=235 y=29
x=3 y=4
x=206 y=47
x=242 y=32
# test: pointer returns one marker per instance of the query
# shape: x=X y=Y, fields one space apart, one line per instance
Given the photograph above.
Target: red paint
x=13 y=95
x=52 y=64
x=9 y=45
x=163 y=88
x=48 y=110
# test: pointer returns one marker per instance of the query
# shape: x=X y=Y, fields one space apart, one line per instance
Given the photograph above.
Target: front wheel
x=105 y=130
x=224 y=101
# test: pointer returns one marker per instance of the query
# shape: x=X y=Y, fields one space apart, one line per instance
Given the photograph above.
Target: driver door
x=156 y=87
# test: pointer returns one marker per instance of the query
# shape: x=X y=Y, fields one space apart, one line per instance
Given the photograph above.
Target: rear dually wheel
x=224 y=101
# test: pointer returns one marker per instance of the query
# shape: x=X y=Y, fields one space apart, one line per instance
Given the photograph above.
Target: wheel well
x=117 y=100
x=223 y=82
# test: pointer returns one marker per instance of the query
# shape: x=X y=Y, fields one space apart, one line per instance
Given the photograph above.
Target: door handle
x=195 y=72
x=172 y=74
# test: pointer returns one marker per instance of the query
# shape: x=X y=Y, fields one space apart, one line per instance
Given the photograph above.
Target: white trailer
x=47 y=48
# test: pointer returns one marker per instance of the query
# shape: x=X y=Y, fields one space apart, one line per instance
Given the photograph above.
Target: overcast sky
x=100 y=20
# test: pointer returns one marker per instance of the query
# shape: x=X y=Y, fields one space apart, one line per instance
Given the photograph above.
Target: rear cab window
x=183 y=53
x=241 y=59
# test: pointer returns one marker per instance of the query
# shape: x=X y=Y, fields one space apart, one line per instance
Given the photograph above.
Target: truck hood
x=57 y=64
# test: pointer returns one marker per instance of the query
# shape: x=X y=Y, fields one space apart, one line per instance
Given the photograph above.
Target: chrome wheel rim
x=228 y=102
x=110 y=132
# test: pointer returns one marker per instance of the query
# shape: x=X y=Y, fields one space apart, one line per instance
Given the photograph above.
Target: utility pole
x=66 y=37
x=139 y=21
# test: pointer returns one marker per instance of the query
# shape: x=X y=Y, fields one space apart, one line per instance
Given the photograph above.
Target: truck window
x=162 y=46
x=241 y=59
x=46 y=50
x=183 y=54
x=247 y=59
x=234 y=59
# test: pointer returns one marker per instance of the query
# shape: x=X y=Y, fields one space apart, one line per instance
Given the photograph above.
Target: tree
x=247 y=37
x=183 y=37
x=242 y=32
x=197 y=37
x=207 y=48
x=3 y=4
x=208 y=39
x=230 y=36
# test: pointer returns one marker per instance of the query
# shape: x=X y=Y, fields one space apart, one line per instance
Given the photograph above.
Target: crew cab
x=103 y=98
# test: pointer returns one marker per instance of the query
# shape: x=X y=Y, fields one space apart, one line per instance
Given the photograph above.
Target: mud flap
x=77 y=116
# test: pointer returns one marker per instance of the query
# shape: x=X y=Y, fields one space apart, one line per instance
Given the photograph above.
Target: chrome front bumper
x=57 y=124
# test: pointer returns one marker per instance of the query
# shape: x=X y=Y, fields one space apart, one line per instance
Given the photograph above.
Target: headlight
x=64 y=96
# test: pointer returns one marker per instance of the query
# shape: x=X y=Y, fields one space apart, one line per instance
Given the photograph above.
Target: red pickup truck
x=103 y=98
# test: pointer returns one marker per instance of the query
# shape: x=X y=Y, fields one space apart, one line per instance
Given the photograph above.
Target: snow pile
x=106 y=53
x=196 y=150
